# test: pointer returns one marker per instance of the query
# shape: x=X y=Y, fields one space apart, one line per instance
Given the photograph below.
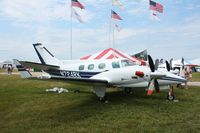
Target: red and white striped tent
x=111 y=53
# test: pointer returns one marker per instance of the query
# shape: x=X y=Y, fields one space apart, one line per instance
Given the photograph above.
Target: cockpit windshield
x=126 y=63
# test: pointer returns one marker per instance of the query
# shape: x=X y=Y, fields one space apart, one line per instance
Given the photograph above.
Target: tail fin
x=45 y=56
x=23 y=72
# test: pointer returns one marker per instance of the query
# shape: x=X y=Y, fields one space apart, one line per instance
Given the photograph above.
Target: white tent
x=111 y=53
x=5 y=63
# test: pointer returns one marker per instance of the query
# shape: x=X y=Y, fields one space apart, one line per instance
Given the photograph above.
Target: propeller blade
x=151 y=64
x=156 y=64
x=151 y=87
x=157 y=87
x=170 y=62
x=182 y=62
x=153 y=84
x=167 y=65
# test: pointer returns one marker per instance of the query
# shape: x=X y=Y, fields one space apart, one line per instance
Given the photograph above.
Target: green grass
x=26 y=107
x=195 y=77
x=5 y=70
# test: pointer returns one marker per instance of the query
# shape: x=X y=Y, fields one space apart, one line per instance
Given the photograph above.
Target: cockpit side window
x=115 y=64
x=127 y=63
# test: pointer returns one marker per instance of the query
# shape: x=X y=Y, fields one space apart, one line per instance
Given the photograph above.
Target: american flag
x=154 y=16
x=117 y=27
x=114 y=15
x=76 y=3
x=156 y=6
x=76 y=15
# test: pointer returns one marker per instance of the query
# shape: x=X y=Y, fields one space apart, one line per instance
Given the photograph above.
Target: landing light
x=139 y=73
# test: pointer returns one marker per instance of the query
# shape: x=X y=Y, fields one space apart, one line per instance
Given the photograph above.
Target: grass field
x=5 y=70
x=26 y=107
x=195 y=77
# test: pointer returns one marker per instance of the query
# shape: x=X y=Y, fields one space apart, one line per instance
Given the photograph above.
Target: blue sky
x=24 y=22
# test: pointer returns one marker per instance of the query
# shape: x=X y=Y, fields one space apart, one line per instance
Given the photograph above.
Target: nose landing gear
x=171 y=96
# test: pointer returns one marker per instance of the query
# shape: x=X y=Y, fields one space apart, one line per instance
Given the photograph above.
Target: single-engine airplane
x=102 y=74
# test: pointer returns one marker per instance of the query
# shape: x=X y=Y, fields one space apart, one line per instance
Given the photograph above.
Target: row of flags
x=116 y=16
x=154 y=7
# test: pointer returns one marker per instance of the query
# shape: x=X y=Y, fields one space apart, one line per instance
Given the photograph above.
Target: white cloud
x=47 y=22
x=193 y=6
x=138 y=11
x=38 y=11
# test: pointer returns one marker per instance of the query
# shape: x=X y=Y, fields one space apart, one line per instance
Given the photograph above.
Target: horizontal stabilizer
x=38 y=65
x=23 y=72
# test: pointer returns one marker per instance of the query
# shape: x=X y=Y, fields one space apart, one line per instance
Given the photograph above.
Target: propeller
x=156 y=84
x=182 y=62
x=151 y=64
x=167 y=66
x=170 y=62
x=156 y=64
x=153 y=84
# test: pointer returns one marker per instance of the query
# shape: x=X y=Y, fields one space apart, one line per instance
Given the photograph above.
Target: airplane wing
x=81 y=80
x=38 y=65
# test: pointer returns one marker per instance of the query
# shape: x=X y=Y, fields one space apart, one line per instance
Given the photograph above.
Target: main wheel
x=104 y=99
x=170 y=98
x=128 y=90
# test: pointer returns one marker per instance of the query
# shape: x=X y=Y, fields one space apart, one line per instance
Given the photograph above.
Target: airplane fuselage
x=116 y=72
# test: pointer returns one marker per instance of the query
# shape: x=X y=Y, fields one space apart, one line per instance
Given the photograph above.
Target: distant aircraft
x=102 y=74
x=177 y=66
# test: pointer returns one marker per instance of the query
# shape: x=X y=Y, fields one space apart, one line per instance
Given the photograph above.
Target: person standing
x=187 y=76
x=9 y=69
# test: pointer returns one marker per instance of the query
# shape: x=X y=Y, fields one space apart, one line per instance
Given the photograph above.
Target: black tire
x=128 y=90
x=104 y=99
x=170 y=98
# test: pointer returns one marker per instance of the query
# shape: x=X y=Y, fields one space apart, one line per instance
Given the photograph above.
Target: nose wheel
x=170 y=95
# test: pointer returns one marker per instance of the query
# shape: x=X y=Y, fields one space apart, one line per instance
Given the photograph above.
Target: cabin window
x=91 y=67
x=102 y=66
x=115 y=64
x=81 y=67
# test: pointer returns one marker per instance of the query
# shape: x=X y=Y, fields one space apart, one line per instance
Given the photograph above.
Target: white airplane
x=102 y=74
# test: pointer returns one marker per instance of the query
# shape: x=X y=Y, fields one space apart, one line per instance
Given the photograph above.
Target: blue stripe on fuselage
x=72 y=74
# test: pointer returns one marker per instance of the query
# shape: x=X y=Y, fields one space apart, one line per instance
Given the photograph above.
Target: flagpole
x=113 y=40
x=71 y=34
x=110 y=23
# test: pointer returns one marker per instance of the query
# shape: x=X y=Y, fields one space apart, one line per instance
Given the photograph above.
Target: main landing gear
x=128 y=90
x=104 y=99
x=171 y=96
